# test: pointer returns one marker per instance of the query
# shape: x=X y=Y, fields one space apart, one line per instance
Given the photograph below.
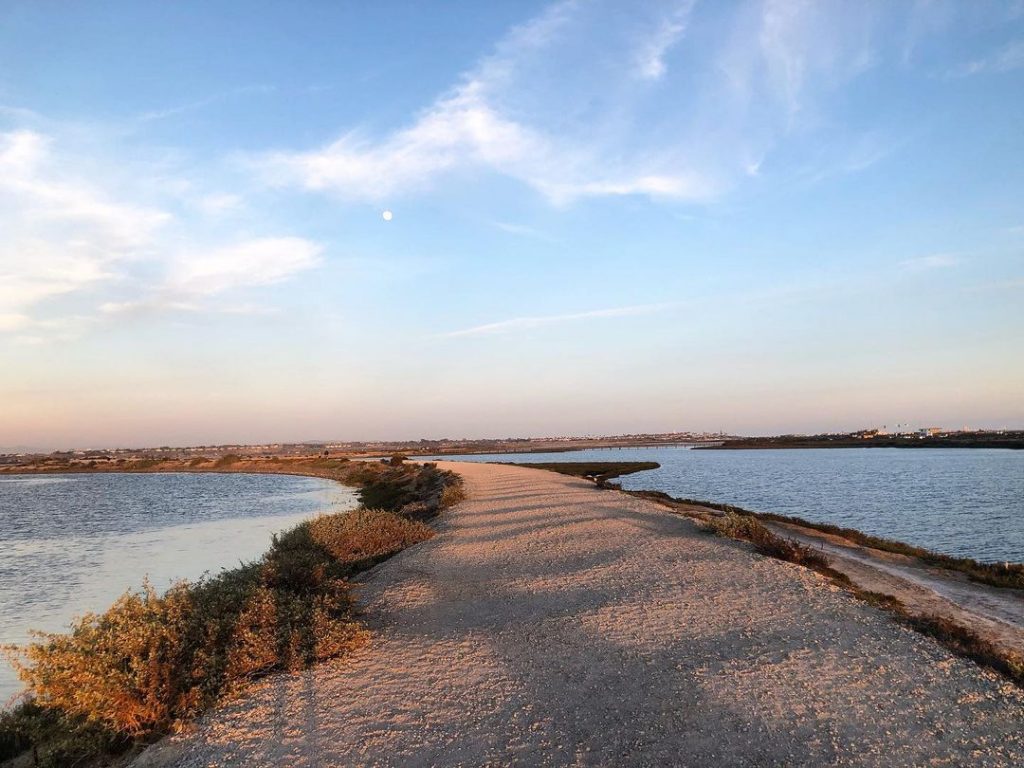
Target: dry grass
x=767 y=543
x=366 y=534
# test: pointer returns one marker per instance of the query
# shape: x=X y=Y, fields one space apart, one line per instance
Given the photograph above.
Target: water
x=70 y=544
x=963 y=502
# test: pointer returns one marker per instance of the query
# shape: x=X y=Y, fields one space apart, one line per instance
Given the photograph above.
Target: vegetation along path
x=552 y=623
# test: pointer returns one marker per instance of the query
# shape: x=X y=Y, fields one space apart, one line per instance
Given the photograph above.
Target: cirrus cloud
x=67 y=240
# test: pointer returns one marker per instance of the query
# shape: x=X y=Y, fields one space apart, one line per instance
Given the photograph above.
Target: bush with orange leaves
x=152 y=661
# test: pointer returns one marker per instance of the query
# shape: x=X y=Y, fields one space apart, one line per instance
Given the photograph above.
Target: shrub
x=118 y=669
x=69 y=741
x=397 y=460
x=452 y=495
x=152 y=661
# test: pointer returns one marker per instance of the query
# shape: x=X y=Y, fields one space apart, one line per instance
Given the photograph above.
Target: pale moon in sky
x=387 y=215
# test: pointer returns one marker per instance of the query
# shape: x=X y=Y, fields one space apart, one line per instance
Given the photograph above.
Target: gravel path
x=551 y=623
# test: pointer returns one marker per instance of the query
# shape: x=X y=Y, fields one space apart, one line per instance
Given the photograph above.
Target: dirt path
x=551 y=623
x=993 y=613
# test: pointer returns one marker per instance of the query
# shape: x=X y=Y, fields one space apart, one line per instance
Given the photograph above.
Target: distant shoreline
x=1010 y=441
x=564 y=448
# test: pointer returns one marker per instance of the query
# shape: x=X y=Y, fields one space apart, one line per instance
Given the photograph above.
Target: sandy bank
x=551 y=623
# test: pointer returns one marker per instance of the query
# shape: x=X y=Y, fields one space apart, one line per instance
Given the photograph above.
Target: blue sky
x=757 y=217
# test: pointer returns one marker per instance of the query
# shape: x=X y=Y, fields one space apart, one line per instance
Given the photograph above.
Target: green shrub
x=69 y=741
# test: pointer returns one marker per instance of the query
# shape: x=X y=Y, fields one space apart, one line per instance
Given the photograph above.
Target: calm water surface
x=965 y=502
x=70 y=544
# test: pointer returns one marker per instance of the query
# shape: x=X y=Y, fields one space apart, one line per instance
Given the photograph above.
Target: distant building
x=867 y=434
x=930 y=431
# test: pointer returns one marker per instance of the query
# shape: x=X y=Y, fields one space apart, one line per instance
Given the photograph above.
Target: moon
x=387 y=215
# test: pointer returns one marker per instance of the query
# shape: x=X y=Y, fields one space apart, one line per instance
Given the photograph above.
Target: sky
x=755 y=217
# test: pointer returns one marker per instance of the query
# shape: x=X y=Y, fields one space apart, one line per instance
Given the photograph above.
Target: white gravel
x=551 y=623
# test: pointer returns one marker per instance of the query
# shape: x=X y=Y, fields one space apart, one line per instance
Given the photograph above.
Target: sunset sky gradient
x=756 y=217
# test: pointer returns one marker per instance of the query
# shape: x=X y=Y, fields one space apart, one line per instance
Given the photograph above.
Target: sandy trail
x=551 y=623
x=996 y=614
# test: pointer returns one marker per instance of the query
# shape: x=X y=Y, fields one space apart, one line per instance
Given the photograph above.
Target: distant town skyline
x=346 y=445
x=223 y=225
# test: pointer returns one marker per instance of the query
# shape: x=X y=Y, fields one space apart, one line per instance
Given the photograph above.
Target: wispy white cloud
x=522 y=230
x=579 y=103
x=465 y=131
x=61 y=235
x=484 y=124
x=66 y=239
x=651 y=53
x=201 y=103
x=1008 y=58
x=220 y=203
x=932 y=261
x=196 y=280
x=529 y=323
x=256 y=262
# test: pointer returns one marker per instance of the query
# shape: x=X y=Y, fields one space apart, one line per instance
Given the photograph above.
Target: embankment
x=549 y=622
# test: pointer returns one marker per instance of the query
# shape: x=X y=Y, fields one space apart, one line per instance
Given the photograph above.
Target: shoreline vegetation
x=292 y=608
x=744 y=525
x=152 y=662
x=1004 y=575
